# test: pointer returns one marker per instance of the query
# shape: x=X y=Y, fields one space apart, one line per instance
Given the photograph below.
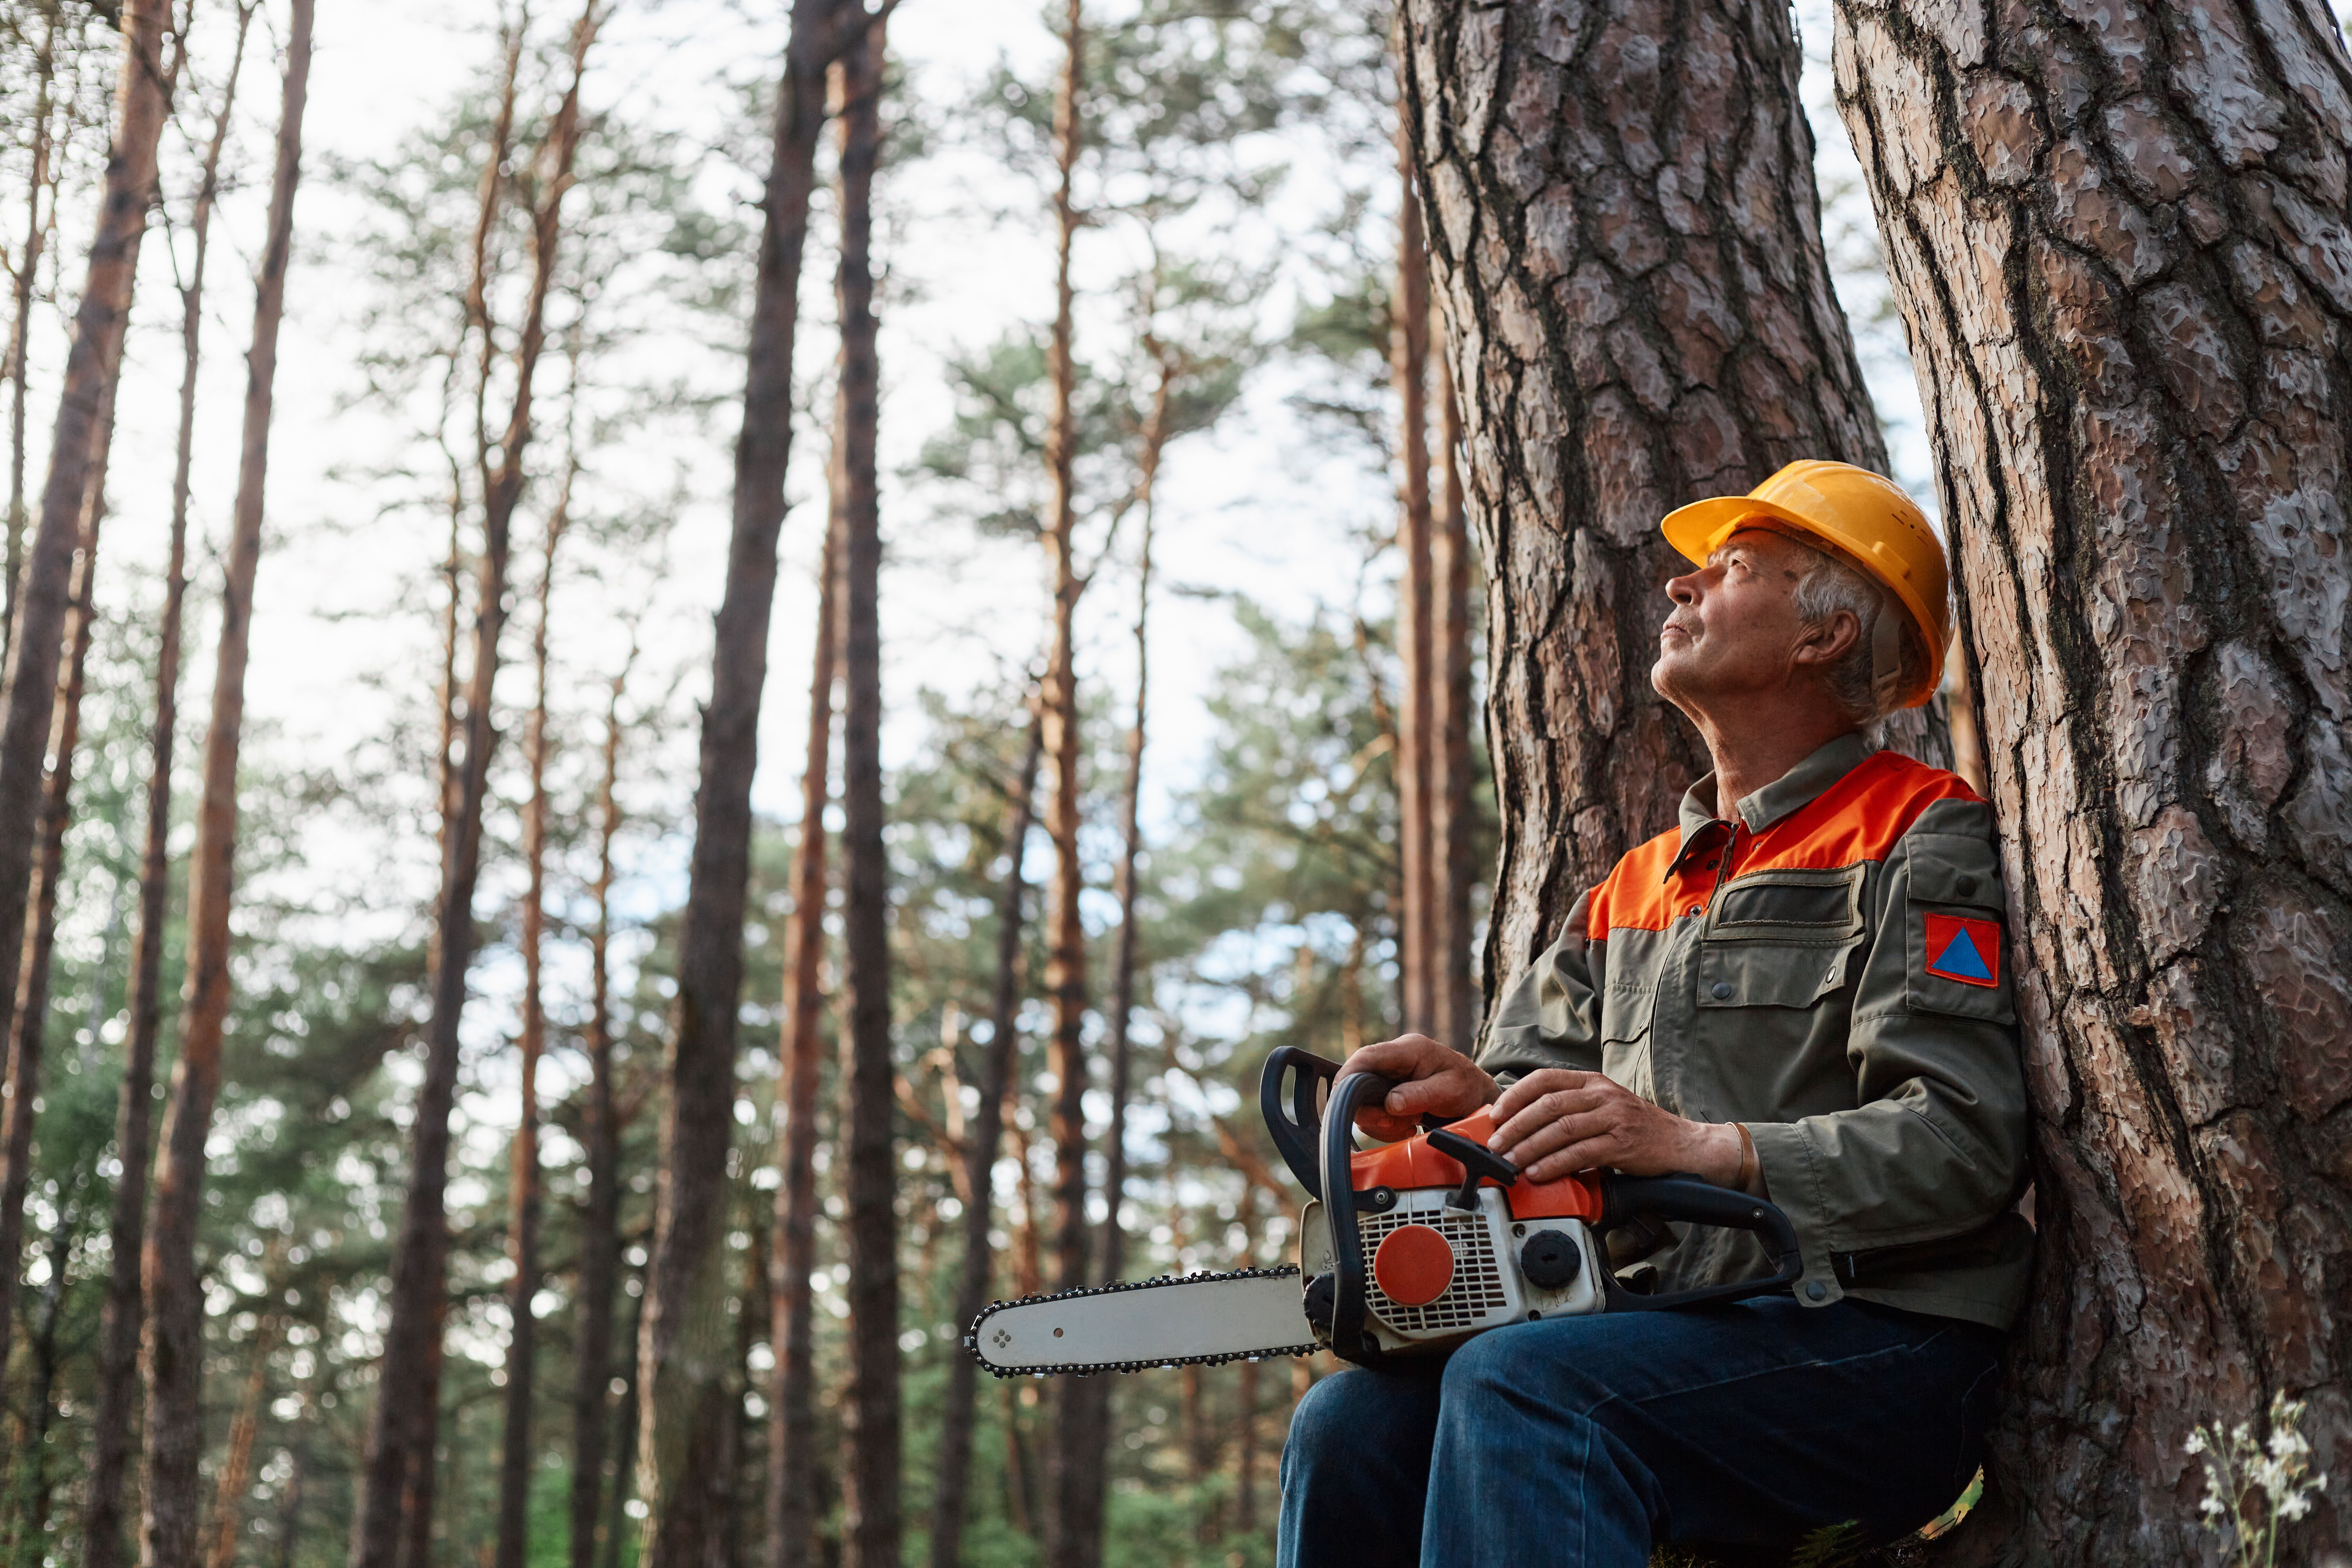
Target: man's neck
x=1758 y=743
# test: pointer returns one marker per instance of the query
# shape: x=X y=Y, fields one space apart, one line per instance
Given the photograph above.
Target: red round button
x=1414 y=1264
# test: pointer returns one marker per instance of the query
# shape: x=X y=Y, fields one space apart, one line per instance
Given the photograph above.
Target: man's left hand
x=1555 y=1122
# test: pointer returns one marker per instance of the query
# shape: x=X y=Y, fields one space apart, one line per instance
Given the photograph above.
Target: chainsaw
x=1405 y=1250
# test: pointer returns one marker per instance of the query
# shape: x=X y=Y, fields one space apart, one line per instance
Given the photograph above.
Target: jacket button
x=1816 y=1290
x=1964 y=886
x=1722 y=989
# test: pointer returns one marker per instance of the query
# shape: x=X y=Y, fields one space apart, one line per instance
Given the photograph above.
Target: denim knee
x=1340 y=1412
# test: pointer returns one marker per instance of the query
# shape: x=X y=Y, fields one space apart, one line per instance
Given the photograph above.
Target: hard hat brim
x=1697 y=530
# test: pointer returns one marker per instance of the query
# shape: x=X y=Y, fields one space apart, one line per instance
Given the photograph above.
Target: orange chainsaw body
x=1414 y=1164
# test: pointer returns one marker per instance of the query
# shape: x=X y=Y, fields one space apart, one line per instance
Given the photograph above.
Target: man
x=1802 y=991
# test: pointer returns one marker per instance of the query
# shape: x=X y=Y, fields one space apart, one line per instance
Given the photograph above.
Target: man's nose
x=1683 y=590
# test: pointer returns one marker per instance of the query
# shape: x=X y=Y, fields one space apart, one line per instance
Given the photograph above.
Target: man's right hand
x=1439 y=1082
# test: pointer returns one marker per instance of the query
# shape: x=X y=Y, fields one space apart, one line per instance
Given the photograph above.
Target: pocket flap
x=1743 y=974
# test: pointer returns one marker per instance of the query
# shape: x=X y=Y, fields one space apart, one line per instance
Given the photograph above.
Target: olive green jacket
x=1836 y=980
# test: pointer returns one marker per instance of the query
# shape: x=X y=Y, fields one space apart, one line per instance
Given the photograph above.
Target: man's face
x=1734 y=628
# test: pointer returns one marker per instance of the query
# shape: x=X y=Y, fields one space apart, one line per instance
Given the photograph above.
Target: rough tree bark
x=1626 y=239
x=2120 y=241
x=172 y=1352
x=396 y=1503
x=683 y=1350
x=792 y=1442
x=600 y=1221
x=1417 y=902
x=1454 y=824
x=870 y=1526
x=952 y=1464
x=93 y=364
x=526 y=1195
x=116 y=1375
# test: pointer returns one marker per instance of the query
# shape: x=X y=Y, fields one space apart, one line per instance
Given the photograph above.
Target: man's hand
x=1555 y=1122
x=1439 y=1082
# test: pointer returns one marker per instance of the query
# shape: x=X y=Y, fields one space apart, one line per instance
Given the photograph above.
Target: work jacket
x=1829 y=968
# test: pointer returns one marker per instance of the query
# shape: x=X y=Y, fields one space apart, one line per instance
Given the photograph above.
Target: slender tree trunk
x=2122 y=256
x=1453 y=822
x=40 y=180
x=421 y=1436
x=34 y=1478
x=1418 y=750
x=526 y=1196
x=793 y=1455
x=624 y=1427
x=870 y=1403
x=237 y=1464
x=173 y=1350
x=684 y=1352
x=398 y=1464
x=747 y=1512
x=1627 y=245
x=954 y=1463
x=92 y=366
x=600 y=1224
x=118 y=1353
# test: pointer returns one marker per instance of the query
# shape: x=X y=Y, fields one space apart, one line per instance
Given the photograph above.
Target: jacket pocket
x=1759 y=975
x=1781 y=939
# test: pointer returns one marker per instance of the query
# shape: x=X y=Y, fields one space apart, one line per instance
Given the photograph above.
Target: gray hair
x=1887 y=658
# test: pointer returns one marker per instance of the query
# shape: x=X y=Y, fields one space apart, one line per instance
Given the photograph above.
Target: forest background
x=1259 y=234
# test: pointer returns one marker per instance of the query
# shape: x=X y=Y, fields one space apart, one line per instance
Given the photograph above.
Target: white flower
x=2196 y=1444
x=2212 y=1505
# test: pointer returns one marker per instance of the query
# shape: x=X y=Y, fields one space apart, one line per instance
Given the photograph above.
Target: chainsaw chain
x=971 y=1335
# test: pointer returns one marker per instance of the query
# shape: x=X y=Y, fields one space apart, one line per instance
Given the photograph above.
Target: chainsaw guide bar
x=979 y=1340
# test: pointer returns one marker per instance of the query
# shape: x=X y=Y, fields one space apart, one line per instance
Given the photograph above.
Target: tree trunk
x=92 y=366
x=684 y=1351
x=600 y=1224
x=792 y=1440
x=34 y=1476
x=173 y=1350
x=118 y=1354
x=1416 y=754
x=39 y=181
x=870 y=1526
x=624 y=1427
x=2122 y=257
x=1627 y=245
x=398 y=1463
x=236 y=1465
x=1453 y=823
x=526 y=1196
x=954 y=1463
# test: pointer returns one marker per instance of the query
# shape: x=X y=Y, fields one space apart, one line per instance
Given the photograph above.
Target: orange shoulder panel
x=1860 y=817
x=1634 y=897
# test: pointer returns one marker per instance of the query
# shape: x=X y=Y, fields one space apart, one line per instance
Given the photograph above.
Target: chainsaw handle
x=1698 y=1202
x=1349 y=1095
x=1293 y=1119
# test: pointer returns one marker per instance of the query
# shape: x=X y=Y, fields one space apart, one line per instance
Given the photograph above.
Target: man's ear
x=1824 y=644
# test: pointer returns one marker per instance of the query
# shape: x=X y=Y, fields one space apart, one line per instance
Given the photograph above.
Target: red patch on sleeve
x=1965 y=949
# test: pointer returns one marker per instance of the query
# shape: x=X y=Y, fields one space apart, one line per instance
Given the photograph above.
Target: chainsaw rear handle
x=1694 y=1201
x=1287 y=1092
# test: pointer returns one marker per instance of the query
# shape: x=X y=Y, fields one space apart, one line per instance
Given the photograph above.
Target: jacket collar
x=1797 y=789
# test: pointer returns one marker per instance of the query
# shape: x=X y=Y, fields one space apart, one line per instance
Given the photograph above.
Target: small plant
x=2254 y=1489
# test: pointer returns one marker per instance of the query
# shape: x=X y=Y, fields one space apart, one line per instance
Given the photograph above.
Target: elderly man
x=1799 y=991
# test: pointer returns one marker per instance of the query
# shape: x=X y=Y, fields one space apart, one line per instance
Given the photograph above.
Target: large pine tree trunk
x=142 y=97
x=952 y=1465
x=117 y=1374
x=1417 y=906
x=600 y=1220
x=792 y=1442
x=1625 y=236
x=870 y=1525
x=2122 y=254
x=173 y=1350
x=684 y=1351
x=397 y=1471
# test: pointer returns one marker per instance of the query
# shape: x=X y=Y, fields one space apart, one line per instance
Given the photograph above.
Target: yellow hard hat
x=1863 y=517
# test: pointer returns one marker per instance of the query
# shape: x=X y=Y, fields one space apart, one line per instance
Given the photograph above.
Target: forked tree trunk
x=870 y=1527
x=142 y=97
x=118 y=1349
x=600 y=1221
x=1453 y=821
x=1417 y=902
x=525 y=1193
x=952 y=1464
x=791 y=1438
x=1625 y=236
x=173 y=1351
x=397 y=1477
x=2123 y=258
x=1073 y=1521
x=683 y=1355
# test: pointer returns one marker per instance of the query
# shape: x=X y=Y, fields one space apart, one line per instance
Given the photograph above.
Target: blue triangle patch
x=1961 y=958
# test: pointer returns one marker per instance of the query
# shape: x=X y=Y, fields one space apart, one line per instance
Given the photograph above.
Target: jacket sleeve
x=1935 y=1146
x=1550 y=1015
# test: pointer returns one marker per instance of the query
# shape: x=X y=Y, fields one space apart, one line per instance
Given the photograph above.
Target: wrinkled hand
x=1556 y=1122
x=1440 y=1082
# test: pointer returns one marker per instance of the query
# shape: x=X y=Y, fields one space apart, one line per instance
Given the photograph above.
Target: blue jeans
x=1582 y=1441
